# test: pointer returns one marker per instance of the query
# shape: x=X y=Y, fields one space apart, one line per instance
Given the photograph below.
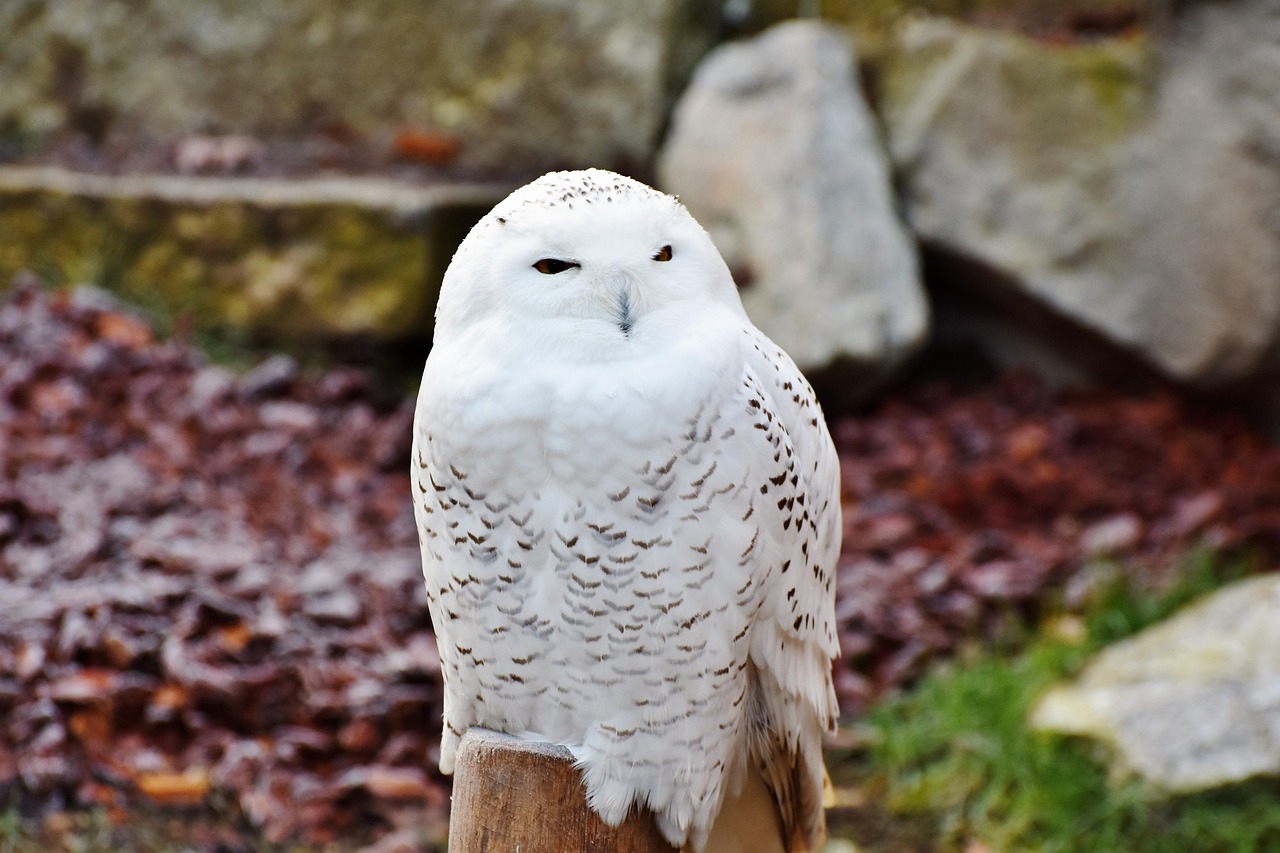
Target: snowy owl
x=628 y=505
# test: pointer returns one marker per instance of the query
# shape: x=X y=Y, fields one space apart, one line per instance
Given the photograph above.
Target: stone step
x=324 y=257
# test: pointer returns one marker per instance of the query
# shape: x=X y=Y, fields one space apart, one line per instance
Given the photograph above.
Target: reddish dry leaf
x=30 y=659
x=426 y=146
x=1027 y=442
x=129 y=332
x=171 y=697
x=234 y=638
x=359 y=735
x=98 y=794
x=85 y=686
x=398 y=783
x=92 y=727
x=402 y=841
x=56 y=400
x=175 y=789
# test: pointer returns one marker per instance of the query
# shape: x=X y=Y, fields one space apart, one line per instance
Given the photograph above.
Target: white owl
x=628 y=504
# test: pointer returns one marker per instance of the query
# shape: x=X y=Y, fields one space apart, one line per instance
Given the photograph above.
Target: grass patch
x=954 y=760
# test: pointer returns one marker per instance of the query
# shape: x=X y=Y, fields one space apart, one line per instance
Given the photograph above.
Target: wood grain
x=511 y=795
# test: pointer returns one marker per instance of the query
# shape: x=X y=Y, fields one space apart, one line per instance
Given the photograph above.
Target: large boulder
x=1191 y=703
x=775 y=153
x=1128 y=189
x=520 y=85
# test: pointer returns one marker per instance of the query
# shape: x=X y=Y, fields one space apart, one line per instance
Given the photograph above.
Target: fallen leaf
x=234 y=638
x=129 y=332
x=188 y=788
x=91 y=726
x=426 y=147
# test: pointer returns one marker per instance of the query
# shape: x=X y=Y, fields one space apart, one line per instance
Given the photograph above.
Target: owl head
x=594 y=263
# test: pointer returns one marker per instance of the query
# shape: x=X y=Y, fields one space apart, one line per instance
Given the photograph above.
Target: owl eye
x=553 y=266
x=663 y=254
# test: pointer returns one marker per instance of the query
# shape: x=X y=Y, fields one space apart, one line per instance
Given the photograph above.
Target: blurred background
x=1027 y=250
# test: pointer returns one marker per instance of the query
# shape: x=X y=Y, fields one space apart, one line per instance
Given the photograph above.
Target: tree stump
x=511 y=795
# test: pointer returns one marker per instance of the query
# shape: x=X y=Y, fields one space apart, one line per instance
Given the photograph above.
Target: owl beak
x=623 y=303
x=625 y=320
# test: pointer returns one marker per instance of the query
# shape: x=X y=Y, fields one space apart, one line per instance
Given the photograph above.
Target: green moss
x=28 y=240
x=1116 y=72
x=1080 y=96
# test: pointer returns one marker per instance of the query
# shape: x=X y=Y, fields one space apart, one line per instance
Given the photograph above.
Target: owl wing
x=794 y=639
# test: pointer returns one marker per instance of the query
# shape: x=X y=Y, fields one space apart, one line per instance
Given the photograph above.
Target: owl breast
x=594 y=565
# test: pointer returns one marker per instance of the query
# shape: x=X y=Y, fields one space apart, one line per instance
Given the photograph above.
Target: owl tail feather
x=747 y=823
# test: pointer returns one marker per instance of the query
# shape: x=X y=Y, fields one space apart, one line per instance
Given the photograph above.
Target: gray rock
x=1129 y=190
x=517 y=84
x=1191 y=703
x=773 y=150
x=1203 y=195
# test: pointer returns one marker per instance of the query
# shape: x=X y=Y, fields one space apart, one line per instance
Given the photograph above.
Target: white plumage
x=629 y=511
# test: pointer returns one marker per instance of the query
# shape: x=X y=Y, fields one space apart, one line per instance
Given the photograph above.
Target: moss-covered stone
x=300 y=259
x=1190 y=703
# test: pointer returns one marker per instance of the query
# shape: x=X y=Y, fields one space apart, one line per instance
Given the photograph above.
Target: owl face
x=603 y=268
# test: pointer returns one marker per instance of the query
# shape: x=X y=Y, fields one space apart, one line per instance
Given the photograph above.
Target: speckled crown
x=583 y=186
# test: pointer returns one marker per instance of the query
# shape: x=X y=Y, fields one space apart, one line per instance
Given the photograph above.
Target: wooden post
x=511 y=795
